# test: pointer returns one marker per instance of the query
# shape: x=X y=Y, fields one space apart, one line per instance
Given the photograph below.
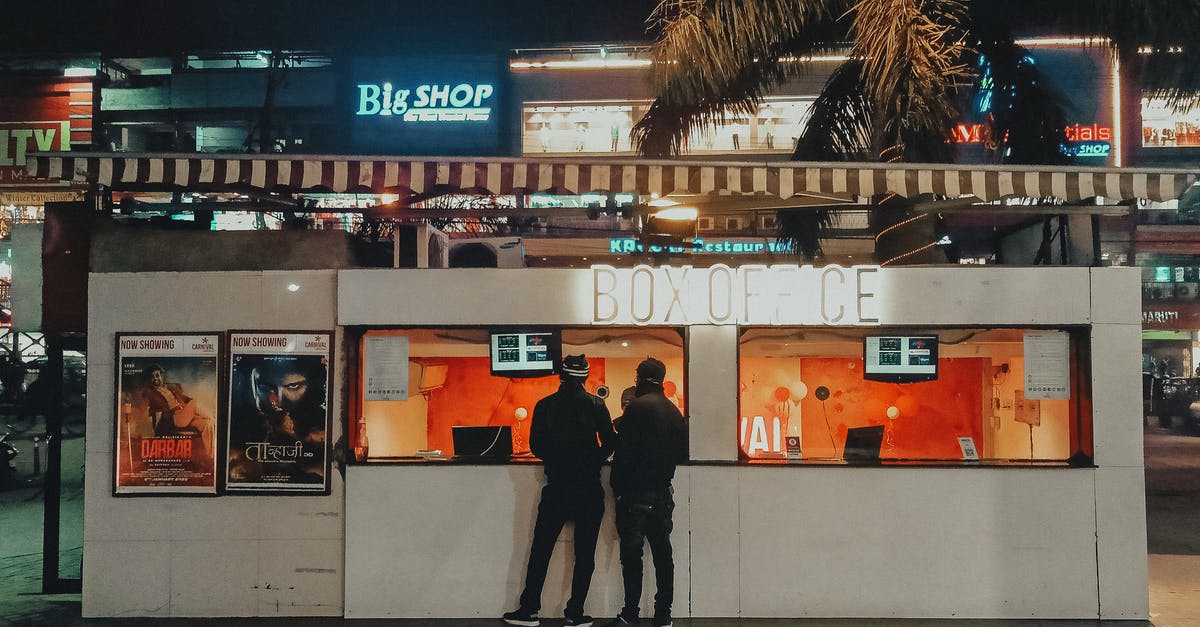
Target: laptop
x=488 y=443
x=862 y=444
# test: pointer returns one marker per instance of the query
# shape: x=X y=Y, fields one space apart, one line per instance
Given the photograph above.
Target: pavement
x=1173 y=532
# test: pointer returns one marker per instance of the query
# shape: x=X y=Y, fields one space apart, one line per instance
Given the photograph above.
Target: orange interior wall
x=472 y=396
x=932 y=414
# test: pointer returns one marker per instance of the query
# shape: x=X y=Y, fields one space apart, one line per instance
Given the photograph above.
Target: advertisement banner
x=166 y=413
x=278 y=413
x=41 y=115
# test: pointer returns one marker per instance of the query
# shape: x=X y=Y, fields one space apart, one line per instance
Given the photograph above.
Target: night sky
x=158 y=27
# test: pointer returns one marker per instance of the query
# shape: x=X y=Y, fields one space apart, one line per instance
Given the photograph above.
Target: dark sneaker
x=661 y=621
x=578 y=621
x=626 y=617
x=522 y=618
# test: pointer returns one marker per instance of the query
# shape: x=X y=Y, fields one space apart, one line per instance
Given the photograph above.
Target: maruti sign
x=464 y=102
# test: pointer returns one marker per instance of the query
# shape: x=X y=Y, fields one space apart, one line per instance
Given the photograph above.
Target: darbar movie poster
x=278 y=413
x=167 y=400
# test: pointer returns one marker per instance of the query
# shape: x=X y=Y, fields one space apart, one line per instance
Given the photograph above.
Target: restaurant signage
x=623 y=245
x=750 y=294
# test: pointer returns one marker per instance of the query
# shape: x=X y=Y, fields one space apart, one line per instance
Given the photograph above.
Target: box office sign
x=278 y=413
x=166 y=410
x=751 y=294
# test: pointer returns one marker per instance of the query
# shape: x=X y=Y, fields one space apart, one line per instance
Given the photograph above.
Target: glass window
x=1009 y=394
x=450 y=383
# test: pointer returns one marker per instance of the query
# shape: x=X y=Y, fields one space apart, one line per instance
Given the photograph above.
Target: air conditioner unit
x=1185 y=291
x=704 y=224
x=487 y=252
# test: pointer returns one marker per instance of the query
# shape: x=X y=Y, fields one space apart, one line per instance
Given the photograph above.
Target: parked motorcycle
x=8 y=468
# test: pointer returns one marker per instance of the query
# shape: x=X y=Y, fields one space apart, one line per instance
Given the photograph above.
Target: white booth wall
x=172 y=556
x=442 y=540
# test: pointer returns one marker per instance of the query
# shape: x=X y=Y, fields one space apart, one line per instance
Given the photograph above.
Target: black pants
x=585 y=506
x=647 y=516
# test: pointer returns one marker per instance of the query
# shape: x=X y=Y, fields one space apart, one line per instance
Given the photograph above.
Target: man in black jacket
x=572 y=433
x=651 y=441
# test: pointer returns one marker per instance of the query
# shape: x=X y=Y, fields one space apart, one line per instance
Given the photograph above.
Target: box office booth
x=1012 y=454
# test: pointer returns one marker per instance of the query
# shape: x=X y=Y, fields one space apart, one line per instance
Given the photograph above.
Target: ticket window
x=1007 y=395
x=448 y=381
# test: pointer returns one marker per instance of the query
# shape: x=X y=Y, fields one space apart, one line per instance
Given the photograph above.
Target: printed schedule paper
x=1047 y=365
x=386 y=368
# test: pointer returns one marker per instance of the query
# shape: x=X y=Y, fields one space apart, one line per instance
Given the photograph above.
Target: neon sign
x=699 y=245
x=464 y=102
x=1082 y=141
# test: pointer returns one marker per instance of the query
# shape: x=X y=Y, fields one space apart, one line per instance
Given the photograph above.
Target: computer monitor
x=862 y=444
x=492 y=442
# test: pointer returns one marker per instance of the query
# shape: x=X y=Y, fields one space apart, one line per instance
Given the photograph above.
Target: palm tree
x=902 y=86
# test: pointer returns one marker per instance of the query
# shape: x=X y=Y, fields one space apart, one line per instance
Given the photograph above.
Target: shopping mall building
x=417 y=240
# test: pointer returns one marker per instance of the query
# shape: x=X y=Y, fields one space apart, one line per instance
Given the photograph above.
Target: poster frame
x=231 y=352
x=118 y=401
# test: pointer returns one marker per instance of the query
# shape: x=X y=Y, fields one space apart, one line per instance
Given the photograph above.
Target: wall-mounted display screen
x=525 y=353
x=900 y=358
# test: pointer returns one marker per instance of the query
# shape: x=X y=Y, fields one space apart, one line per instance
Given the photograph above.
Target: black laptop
x=492 y=443
x=862 y=444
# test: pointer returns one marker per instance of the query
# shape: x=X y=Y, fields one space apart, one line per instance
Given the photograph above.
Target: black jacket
x=651 y=441
x=564 y=435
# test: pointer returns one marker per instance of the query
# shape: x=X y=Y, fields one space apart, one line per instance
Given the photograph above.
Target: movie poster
x=166 y=436
x=278 y=413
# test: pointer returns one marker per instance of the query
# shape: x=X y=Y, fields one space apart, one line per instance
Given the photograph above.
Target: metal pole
x=53 y=375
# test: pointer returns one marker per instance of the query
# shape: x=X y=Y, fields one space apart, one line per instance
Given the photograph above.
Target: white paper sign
x=1047 y=365
x=967 y=444
x=385 y=368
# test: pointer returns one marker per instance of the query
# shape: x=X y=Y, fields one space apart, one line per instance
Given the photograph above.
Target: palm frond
x=1029 y=119
x=912 y=53
x=1156 y=39
x=716 y=58
x=802 y=229
x=839 y=123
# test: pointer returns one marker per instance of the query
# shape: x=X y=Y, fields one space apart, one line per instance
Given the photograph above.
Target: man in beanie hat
x=651 y=441
x=564 y=435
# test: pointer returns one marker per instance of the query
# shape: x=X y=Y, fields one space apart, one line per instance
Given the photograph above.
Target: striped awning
x=502 y=176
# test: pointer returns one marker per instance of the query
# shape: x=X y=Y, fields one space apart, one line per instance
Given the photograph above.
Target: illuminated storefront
x=604 y=127
x=1163 y=126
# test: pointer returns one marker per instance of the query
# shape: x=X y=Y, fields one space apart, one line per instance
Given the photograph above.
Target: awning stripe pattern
x=507 y=176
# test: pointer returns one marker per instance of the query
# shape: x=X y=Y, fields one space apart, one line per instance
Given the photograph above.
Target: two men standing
x=572 y=435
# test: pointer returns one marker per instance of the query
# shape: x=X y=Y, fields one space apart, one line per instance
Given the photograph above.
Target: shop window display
x=598 y=127
x=450 y=383
x=809 y=384
x=1164 y=126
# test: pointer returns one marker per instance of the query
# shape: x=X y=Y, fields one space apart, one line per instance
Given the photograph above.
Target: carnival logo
x=464 y=102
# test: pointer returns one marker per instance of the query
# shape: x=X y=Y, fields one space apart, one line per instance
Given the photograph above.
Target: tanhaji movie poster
x=167 y=400
x=278 y=413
